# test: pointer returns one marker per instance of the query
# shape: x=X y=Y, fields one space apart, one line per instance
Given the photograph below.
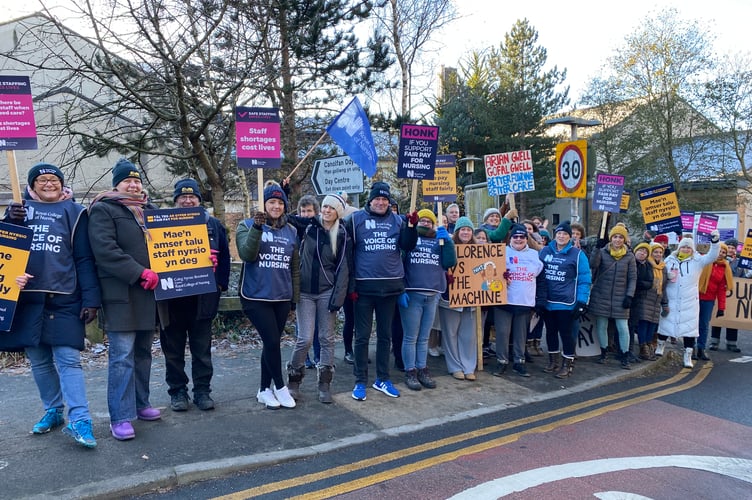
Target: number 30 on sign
x=571 y=169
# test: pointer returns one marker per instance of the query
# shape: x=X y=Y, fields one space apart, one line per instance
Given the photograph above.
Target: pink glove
x=149 y=279
x=213 y=258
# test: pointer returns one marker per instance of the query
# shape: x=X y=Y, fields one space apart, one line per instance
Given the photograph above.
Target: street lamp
x=469 y=162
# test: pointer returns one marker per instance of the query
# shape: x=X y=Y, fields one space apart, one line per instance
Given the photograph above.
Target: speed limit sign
x=571 y=169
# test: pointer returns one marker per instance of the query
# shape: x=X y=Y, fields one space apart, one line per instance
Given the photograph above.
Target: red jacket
x=716 y=286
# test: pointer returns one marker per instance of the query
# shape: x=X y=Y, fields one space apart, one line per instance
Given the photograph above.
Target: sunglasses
x=519 y=237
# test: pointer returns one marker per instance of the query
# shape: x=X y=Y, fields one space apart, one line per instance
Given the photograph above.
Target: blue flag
x=352 y=132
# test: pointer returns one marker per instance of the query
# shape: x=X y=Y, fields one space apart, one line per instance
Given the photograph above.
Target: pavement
x=240 y=434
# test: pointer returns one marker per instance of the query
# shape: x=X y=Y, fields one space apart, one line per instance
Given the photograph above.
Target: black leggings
x=688 y=341
x=269 y=318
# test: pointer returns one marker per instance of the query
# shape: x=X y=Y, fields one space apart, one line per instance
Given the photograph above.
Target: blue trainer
x=359 y=392
x=386 y=387
x=51 y=419
x=81 y=431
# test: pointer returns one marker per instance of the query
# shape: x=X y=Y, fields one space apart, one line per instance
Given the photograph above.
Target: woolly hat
x=425 y=213
x=343 y=195
x=518 y=229
x=463 y=222
x=661 y=239
x=336 y=202
x=122 y=170
x=186 y=186
x=274 y=190
x=379 y=189
x=489 y=212
x=653 y=246
x=644 y=246
x=686 y=242
x=724 y=247
x=619 y=229
x=564 y=226
x=546 y=234
x=44 y=168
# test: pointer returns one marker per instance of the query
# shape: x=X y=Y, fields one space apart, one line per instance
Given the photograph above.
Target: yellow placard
x=174 y=246
x=661 y=205
x=444 y=184
x=13 y=263
x=479 y=276
x=624 y=205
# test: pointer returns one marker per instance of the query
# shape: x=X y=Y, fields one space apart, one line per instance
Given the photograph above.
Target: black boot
x=325 y=381
x=625 y=360
x=602 y=359
x=702 y=355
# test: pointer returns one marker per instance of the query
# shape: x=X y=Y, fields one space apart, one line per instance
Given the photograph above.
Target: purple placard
x=18 y=129
x=417 y=151
x=608 y=191
x=687 y=221
x=706 y=225
x=257 y=137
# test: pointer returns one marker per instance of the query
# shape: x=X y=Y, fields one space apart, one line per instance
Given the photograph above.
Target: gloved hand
x=353 y=296
x=512 y=214
x=580 y=310
x=715 y=236
x=88 y=314
x=664 y=311
x=213 y=257
x=403 y=300
x=412 y=218
x=507 y=275
x=149 y=279
x=443 y=234
x=333 y=309
x=627 y=302
x=259 y=219
x=720 y=313
x=16 y=211
x=293 y=306
x=449 y=278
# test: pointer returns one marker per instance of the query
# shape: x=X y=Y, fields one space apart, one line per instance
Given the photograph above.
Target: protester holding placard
x=425 y=281
x=60 y=294
x=736 y=271
x=715 y=280
x=325 y=262
x=379 y=236
x=684 y=268
x=117 y=234
x=562 y=297
x=270 y=287
x=190 y=318
x=614 y=282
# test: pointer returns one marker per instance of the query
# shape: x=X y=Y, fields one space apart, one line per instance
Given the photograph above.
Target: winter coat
x=613 y=280
x=716 y=289
x=644 y=283
x=54 y=318
x=683 y=295
x=121 y=256
x=648 y=302
x=320 y=269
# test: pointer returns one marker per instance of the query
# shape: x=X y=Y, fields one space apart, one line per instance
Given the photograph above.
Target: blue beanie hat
x=379 y=189
x=463 y=222
x=186 y=186
x=44 y=168
x=122 y=170
x=274 y=190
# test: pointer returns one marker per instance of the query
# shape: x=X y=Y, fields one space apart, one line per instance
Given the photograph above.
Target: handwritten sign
x=479 y=276
x=417 y=151
x=509 y=172
x=18 y=129
x=607 y=196
x=179 y=252
x=15 y=245
x=443 y=187
x=257 y=137
x=660 y=209
x=738 y=306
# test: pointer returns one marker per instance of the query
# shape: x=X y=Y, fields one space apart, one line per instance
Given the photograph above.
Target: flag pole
x=287 y=179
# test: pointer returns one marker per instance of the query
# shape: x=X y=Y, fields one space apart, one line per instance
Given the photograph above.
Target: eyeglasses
x=52 y=180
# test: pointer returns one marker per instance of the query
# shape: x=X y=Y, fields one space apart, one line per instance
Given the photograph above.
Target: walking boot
x=713 y=345
x=602 y=358
x=425 y=379
x=325 y=381
x=625 y=361
x=694 y=355
x=702 y=355
x=644 y=352
x=411 y=380
x=537 y=351
x=294 y=379
x=661 y=346
x=688 y=357
x=567 y=365
x=732 y=347
x=553 y=362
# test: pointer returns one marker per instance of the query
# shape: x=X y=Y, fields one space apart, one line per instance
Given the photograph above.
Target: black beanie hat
x=44 y=168
x=122 y=170
x=564 y=226
x=186 y=186
x=518 y=229
x=274 y=190
x=379 y=189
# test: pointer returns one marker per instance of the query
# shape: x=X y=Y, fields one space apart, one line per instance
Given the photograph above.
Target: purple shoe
x=122 y=431
x=149 y=413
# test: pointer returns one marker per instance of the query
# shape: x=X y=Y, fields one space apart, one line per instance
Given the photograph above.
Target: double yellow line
x=649 y=392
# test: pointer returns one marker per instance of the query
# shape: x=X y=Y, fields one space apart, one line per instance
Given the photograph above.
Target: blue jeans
x=622 y=326
x=128 y=373
x=706 y=311
x=417 y=320
x=59 y=377
x=312 y=314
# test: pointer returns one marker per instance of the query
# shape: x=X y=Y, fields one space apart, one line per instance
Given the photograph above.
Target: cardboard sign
x=15 y=245
x=443 y=187
x=18 y=129
x=509 y=172
x=479 y=276
x=257 y=137
x=738 y=306
x=607 y=196
x=660 y=209
x=417 y=151
x=179 y=252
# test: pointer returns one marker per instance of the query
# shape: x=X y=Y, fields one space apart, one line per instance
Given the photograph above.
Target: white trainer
x=266 y=397
x=284 y=397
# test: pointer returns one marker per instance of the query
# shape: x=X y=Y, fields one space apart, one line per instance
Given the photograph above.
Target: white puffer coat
x=683 y=295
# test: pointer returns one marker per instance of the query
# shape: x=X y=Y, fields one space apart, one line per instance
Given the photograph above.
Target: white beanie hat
x=687 y=242
x=336 y=202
